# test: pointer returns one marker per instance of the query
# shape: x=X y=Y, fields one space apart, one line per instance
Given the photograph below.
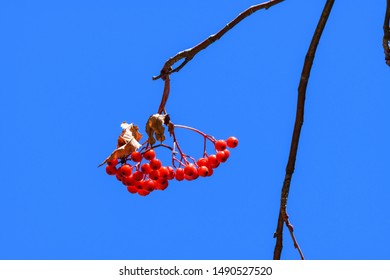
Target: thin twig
x=283 y=216
x=183 y=156
x=189 y=54
x=386 y=33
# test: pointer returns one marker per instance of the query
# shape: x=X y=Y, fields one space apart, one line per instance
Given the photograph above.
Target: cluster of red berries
x=143 y=178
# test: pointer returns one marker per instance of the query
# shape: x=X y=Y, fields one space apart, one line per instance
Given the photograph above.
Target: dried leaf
x=129 y=133
x=155 y=129
x=127 y=142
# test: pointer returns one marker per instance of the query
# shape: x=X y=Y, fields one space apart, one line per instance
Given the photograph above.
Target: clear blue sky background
x=72 y=71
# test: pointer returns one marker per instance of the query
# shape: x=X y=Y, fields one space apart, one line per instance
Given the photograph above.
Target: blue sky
x=72 y=71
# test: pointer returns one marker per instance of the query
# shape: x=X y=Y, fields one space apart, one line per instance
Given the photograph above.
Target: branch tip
x=188 y=54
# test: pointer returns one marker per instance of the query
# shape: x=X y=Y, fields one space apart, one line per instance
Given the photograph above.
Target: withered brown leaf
x=155 y=128
x=129 y=133
x=127 y=142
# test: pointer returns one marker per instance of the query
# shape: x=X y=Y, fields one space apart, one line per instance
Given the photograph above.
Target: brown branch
x=164 y=99
x=386 y=34
x=189 y=54
x=283 y=216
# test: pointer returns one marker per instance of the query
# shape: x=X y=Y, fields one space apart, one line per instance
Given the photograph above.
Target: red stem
x=182 y=155
x=211 y=138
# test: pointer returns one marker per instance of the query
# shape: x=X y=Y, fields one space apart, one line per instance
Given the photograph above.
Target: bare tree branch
x=283 y=216
x=189 y=54
x=386 y=33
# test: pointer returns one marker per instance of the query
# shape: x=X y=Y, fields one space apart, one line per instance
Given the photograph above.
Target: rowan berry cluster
x=142 y=172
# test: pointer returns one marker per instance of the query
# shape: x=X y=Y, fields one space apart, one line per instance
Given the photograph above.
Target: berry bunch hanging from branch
x=137 y=166
x=126 y=161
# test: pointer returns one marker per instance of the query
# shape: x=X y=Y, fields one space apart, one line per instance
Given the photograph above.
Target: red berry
x=220 y=145
x=164 y=172
x=132 y=189
x=232 y=142
x=125 y=170
x=162 y=180
x=179 y=174
x=138 y=184
x=211 y=171
x=227 y=153
x=111 y=170
x=171 y=173
x=148 y=185
x=154 y=174
x=136 y=156
x=155 y=164
x=149 y=155
x=162 y=185
x=190 y=170
x=143 y=192
x=146 y=168
x=113 y=162
x=119 y=176
x=213 y=161
x=128 y=180
x=203 y=162
x=222 y=156
x=138 y=175
x=203 y=171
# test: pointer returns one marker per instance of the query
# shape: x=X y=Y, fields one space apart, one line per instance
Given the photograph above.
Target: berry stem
x=144 y=146
x=204 y=147
x=211 y=138
x=175 y=159
x=182 y=155
x=159 y=145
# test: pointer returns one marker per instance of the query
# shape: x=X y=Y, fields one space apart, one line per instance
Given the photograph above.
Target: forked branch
x=283 y=216
x=189 y=54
